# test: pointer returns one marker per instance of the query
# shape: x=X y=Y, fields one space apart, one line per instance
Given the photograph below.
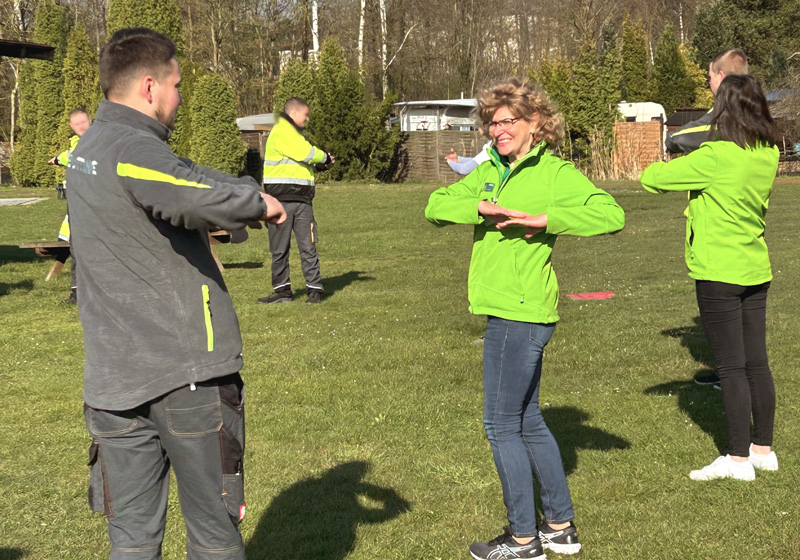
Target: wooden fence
x=421 y=154
x=638 y=145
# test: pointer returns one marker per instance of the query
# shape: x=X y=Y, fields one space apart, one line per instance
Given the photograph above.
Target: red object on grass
x=592 y=295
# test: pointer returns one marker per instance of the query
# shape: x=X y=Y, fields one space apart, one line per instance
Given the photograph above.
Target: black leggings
x=734 y=320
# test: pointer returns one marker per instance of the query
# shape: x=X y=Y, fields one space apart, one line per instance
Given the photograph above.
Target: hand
x=497 y=213
x=452 y=156
x=275 y=213
x=53 y=160
x=535 y=224
x=331 y=160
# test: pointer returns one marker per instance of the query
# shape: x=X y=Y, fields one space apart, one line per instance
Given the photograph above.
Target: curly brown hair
x=523 y=99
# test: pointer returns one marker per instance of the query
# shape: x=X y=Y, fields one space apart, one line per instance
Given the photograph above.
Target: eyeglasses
x=504 y=124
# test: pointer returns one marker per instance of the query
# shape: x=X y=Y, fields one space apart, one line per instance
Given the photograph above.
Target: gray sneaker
x=505 y=547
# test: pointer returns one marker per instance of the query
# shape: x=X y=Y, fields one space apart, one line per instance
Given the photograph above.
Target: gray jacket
x=689 y=137
x=155 y=311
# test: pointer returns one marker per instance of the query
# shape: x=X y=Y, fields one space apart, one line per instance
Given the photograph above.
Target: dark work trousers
x=198 y=430
x=300 y=220
x=734 y=320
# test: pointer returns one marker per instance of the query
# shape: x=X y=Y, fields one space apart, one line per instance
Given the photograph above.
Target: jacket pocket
x=207 y=317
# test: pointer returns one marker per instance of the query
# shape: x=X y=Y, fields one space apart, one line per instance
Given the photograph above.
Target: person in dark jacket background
x=289 y=165
x=162 y=388
x=689 y=137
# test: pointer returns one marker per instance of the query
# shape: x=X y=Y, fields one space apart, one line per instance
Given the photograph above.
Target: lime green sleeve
x=63 y=158
x=692 y=172
x=579 y=208
x=458 y=203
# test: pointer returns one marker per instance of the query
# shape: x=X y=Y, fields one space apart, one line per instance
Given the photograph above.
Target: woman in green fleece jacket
x=729 y=183
x=519 y=202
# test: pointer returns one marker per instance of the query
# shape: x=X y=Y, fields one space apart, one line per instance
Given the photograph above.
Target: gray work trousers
x=300 y=219
x=199 y=432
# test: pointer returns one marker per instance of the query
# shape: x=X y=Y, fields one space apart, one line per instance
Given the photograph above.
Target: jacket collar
x=116 y=112
x=289 y=119
x=534 y=153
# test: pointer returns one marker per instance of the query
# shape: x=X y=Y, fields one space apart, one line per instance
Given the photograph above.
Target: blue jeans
x=522 y=445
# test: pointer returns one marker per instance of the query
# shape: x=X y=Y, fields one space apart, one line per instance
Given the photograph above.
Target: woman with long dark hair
x=729 y=180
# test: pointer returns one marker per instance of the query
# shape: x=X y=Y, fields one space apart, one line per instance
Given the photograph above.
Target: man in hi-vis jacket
x=163 y=351
x=289 y=164
x=689 y=137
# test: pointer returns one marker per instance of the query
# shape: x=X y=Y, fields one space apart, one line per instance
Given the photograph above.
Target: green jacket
x=63 y=157
x=289 y=162
x=509 y=276
x=729 y=190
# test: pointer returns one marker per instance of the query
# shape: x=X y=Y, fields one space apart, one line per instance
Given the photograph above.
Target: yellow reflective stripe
x=701 y=128
x=63 y=232
x=207 y=315
x=136 y=172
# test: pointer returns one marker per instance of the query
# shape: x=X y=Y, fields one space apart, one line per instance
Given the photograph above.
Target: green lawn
x=364 y=435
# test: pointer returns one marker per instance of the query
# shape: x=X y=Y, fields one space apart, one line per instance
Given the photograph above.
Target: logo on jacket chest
x=488 y=187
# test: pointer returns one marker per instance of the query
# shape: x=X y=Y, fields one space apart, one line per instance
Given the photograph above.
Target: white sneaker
x=768 y=462
x=725 y=467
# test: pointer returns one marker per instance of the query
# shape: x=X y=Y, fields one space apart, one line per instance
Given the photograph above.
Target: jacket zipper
x=207 y=315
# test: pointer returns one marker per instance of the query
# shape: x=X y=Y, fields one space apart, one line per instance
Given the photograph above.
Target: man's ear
x=146 y=88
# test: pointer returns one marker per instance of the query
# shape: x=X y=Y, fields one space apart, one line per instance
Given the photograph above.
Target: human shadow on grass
x=567 y=424
x=12 y=253
x=5 y=288
x=701 y=403
x=333 y=284
x=317 y=518
x=694 y=339
x=11 y=553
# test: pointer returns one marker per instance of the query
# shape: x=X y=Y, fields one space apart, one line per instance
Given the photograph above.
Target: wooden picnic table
x=60 y=250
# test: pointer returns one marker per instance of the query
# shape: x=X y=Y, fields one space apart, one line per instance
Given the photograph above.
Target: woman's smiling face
x=512 y=136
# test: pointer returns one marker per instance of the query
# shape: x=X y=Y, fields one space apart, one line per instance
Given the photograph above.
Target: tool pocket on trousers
x=99 y=499
x=231 y=444
x=233 y=496
x=193 y=411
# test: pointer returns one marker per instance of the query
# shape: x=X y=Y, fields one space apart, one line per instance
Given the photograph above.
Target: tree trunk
x=361 y=37
x=384 y=65
x=14 y=92
x=315 y=27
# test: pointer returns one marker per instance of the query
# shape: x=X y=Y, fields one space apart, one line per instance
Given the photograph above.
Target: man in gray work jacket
x=163 y=349
x=689 y=137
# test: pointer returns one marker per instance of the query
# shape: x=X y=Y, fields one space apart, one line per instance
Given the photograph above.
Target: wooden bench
x=60 y=250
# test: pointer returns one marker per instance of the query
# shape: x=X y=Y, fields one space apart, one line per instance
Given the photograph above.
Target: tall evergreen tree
x=588 y=93
x=636 y=85
x=610 y=79
x=23 y=160
x=714 y=30
x=555 y=77
x=296 y=80
x=216 y=142
x=181 y=138
x=674 y=88
x=701 y=97
x=52 y=27
x=163 y=16
x=81 y=86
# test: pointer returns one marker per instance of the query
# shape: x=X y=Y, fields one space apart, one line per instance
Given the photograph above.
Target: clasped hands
x=505 y=217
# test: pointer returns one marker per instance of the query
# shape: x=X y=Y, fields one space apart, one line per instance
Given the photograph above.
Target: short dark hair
x=77 y=110
x=730 y=61
x=294 y=103
x=741 y=114
x=131 y=53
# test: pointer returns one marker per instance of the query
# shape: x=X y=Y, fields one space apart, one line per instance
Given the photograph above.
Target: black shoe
x=709 y=379
x=283 y=296
x=505 y=547
x=314 y=296
x=73 y=298
x=562 y=541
